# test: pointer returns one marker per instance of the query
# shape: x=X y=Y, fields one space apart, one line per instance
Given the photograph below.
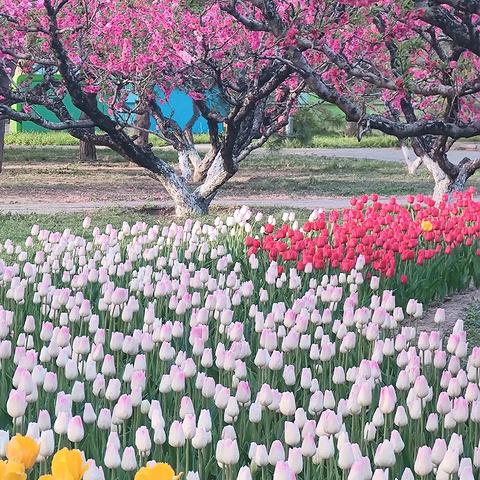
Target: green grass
x=300 y=176
x=64 y=138
x=68 y=154
x=318 y=141
x=368 y=141
x=18 y=227
x=472 y=324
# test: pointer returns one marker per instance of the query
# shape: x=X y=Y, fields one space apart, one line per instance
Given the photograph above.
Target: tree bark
x=186 y=203
x=351 y=128
x=87 y=150
x=142 y=122
x=3 y=124
x=4 y=82
x=201 y=168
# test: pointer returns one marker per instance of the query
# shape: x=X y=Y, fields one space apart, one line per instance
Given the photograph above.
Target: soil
x=455 y=306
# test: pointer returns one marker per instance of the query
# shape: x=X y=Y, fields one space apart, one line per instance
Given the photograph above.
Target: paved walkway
x=45 y=208
x=461 y=150
x=387 y=154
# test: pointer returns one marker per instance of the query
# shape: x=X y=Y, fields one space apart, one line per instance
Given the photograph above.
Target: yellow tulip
x=12 y=470
x=159 y=471
x=68 y=465
x=23 y=449
x=426 y=226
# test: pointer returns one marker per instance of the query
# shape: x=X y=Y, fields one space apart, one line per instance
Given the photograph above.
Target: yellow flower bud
x=159 y=471
x=23 y=449
x=426 y=226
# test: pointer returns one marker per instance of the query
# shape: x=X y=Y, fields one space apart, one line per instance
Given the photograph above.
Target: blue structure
x=179 y=106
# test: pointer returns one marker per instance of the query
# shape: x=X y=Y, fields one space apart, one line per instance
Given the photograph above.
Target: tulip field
x=252 y=348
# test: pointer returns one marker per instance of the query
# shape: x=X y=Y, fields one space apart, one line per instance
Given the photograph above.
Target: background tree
x=109 y=49
x=6 y=69
x=4 y=82
x=419 y=59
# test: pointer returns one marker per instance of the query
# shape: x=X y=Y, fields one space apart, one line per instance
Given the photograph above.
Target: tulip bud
x=176 y=437
x=129 y=461
x=112 y=457
x=142 y=440
x=450 y=462
x=385 y=455
x=277 y=453
x=283 y=471
x=75 y=432
x=227 y=452
x=16 y=403
x=47 y=443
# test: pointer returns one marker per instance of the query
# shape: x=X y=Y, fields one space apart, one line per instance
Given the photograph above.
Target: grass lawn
x=472 y=325
x=319 y=141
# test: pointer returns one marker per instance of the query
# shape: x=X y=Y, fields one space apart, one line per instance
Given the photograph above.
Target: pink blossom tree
x=407 y=68
x=107 y=50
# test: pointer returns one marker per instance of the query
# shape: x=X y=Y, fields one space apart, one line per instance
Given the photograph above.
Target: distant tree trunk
x=3 y=124
x=87 y=149
x=142 y=122
x=4 y=81
x=351 y=128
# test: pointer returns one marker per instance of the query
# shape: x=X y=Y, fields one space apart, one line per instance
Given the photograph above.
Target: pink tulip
x=295 y=460
x=292 y=434
x=142 y=440
x=287 y=404
x=112 y=457
x=16 y=403
x=385 y=455
x=450 y=462
x=243 y=394
x=460 y=410
x=277 y=453
x=176 y=437
x=388 y=399
x=75 y=431
x=129 y=461
x=123 y=408
x=345 y=456
x=283 y=472
x=421 y=387
x=331 y=422
x=423 y=462
x=444 y=404
x=227 y=452
x=365 y=395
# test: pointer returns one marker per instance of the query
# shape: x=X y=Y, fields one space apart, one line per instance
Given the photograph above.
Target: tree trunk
x=87 y=150
x=201 y=169
x=442 y=180
x=142 y=122
x=4 y=82
x=351 y=128
x=186 y=202
x=3 y=124
x=188 y=154
x=185 y=209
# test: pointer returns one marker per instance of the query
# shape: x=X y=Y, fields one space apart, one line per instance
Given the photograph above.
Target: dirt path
x=58 y=207
x=455 y=306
